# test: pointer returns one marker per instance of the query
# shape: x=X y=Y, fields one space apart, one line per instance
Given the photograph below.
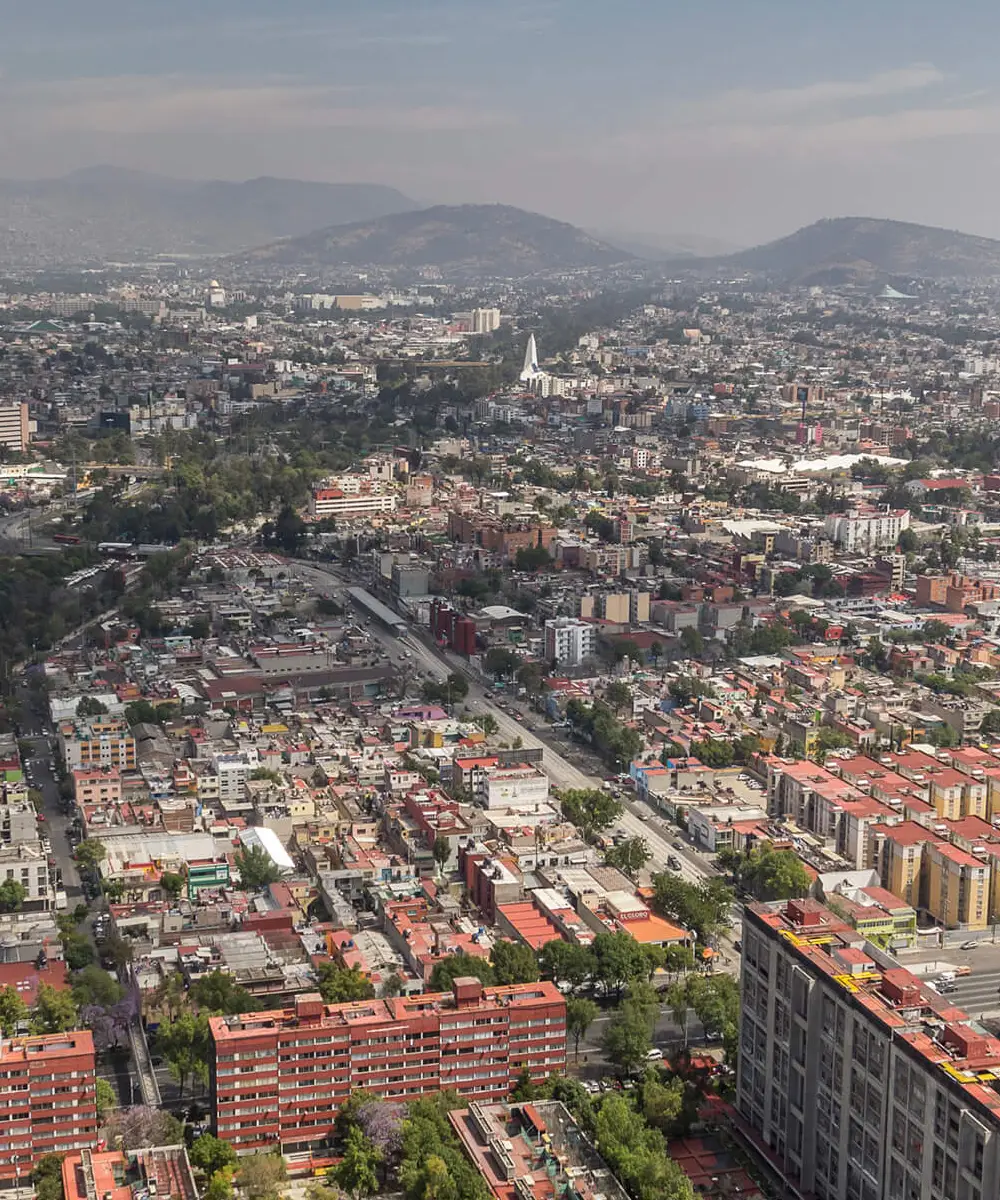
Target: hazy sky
x=741 y=119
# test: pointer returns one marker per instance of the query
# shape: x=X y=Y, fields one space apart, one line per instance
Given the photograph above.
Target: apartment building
x=48 y=1102
x=958 y=886
x=866 y=529
x=97 y=743
x=570 y=642
x=15 y=429
x=24 y=863
x=520 y=786
x=97 y=786
x=278 y=1078
x=856 y=1079
x=346 y=505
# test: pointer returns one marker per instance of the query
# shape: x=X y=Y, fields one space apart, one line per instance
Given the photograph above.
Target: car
x=738 y=946
x=654 y=1055
x=591 y=1086
x=970 y=945
x=673 y=862
x=39 y=816
x=678 y=844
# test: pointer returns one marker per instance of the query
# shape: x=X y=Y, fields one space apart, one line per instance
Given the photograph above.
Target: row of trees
x=617 y=744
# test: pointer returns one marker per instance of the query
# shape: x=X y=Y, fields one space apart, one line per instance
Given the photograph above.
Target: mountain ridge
x=106 y=212
x=492 y=239
x=865 y=249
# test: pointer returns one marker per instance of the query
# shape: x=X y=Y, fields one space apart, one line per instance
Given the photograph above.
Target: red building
x=279 y=1078
x=48 y=1101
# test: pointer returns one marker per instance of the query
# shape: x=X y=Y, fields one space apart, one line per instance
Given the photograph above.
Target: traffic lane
x=977 y=993
x=666 y=1033
x=57 y=824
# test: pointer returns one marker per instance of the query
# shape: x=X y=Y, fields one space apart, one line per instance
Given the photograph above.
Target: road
x=978 y=993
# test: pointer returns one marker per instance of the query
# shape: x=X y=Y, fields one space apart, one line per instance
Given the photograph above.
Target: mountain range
x=466 y=239
x=864 y=250
x=107 y=213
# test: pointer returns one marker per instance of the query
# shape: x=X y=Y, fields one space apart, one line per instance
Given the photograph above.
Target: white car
x=654 y=1055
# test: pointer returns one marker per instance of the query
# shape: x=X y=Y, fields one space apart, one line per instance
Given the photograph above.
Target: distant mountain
x=656 y=246
x=483 y=239
x=863 y=249
x=103 y=213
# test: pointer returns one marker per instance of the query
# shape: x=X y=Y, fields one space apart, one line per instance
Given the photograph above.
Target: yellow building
x=958 y=886
x=898 y=856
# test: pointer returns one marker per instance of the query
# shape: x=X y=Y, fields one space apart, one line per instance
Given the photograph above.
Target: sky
x=740 y=120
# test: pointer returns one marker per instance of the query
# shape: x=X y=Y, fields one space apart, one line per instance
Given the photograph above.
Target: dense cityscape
x=499 y=602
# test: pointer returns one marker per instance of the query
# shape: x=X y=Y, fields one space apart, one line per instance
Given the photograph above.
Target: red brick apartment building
x=278 y=1078
x=48 y=1101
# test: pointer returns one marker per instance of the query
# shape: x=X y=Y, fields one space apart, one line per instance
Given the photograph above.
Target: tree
x=704 y=908
x=211 y=1154
x=618 y=959
x=500 y=661
x=54 y=1012
x=713 y=753
x=106 y=1099
x=629 y=856
x=693 y=642
x=357 y=1172
x=514 y=962
x=172 y=883
x=487 y=723
x=171 y=994
x=991 y=722
x=218 y=992
x=566 y=962
x=13 y=1011
x=592 y=809
x=94 y=985
x=524 y=1089
x=138 y=1125
x=678 y=958
x=342 y=985
x=618 y=695
x=532 y=558
x=259 y=1176
x=434 y=1166
x=89 y=706
x=256 y=869
x=47 y=1177
x=661 y=1103
x=185 y=1044
x=220 y=1186
x=382 y=1122
x=90 y=853
x=12 y=894
x=772 y=874
x=637 y=1153
x=581 y=1013
x=628 y=1038
x=441 y=851
x=454 y=966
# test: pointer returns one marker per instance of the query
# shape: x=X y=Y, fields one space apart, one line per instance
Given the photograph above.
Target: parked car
x=654 y=1055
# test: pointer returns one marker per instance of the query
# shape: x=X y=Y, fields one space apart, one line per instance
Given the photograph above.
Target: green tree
x=593 y=810
x=185 y=1044
x=12 y=895
x=628 y=1038
x=90 y=853
x=629 y=856
x=581 y=1013
x=679 y=959
x=618 y=959
x=342 y=985
x=500 y=661
x=514 y=962
x=692 y=642
x=618 y=695
x=211 y=1154
x=260 y=1176
x=256 y=869
x=13 y=1011
x=218 y=992
x=47 y=1177
x=532 y=558
x=714 y=753
x=772 y=874
x=703 y=908
x=566 y=962
x=54 y=1011
x=106 y=1099
x=172 y=883
x=93 y=985
x=357 y=1171
x=487 y=723
x=455 y=966
x=637 y=1153
x=220 y=1186
x=441 y=851
x=662 y=1104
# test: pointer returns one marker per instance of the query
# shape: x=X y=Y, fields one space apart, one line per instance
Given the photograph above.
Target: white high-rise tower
x=530 y=369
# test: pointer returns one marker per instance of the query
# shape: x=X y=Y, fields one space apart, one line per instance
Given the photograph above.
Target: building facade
x=279 y=1078
x=855 y=1078
x=570 y=642
x=48 y=1100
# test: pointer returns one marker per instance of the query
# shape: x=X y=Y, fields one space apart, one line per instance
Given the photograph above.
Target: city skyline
x=715 y=122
